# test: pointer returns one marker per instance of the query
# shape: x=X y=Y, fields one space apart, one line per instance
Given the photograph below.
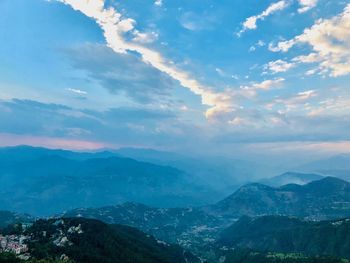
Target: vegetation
x=249 y=256
x=99 y=242
x=288 y=235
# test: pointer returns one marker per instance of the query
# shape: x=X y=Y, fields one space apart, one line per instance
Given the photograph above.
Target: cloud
x=294 y=102
x=265 y=85
x=77 y=91
x=144 y=38
x=306 y=5
x=122 y=74
x=158 y=3
x=330 y=42
x=251 y=22
x=113 y=126
x=238 y=114
x=279 y=66
x=258 y=44
x=114 y=28
x=196 y=22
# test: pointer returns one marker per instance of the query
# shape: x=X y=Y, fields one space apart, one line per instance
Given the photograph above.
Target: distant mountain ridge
x=222 y=173
x=291 y=178
x=338 y=166
x=42 y=182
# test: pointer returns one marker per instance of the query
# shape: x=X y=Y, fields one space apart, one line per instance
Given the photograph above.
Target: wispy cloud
x=266 y=84
x=306 y=5
x=251 y=22
x=77 y=91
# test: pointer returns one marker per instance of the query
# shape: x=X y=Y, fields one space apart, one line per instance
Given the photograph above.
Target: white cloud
x=77 y=91
x=265 y=85
x=310 y=58
x=294 y=102
x=220 y=72
x=306 y=5
x=114 y=28
x=144 y=38
x=330 y=42
x=251 y=22
x=311 y=72
x=158 y=3
x=252 y=48
x=279 y=66
x=258 y=44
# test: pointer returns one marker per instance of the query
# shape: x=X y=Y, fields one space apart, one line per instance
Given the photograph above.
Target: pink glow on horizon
x=51 y=142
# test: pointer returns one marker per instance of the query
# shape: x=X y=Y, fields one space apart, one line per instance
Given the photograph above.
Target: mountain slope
x=91 y=241
x=185 y=226
x=9 y=218
x=322 y=199
x=285 y=234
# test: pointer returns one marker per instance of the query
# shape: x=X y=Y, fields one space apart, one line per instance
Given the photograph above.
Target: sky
x=242 y=78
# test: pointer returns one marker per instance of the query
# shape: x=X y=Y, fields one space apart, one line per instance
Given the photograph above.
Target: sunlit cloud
x=279 y=66
x=114 y=28
x=251 y=22
x=330 y=42
x=306 y=5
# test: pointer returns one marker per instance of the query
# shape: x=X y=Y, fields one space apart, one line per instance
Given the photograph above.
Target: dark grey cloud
x=28 y=117
x=121 y=73
x=145 y=126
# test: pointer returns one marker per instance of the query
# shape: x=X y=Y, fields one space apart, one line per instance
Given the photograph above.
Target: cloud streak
x=251 y=22
x=114 y=27
x=306 y=5
x=77 y=91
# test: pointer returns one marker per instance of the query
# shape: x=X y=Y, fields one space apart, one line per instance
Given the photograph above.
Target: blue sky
x=223 y=77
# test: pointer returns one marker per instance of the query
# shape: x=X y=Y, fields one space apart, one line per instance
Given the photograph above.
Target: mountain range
x=43 y=182
x=196 y=227
x=291 y=178
x=173 y=198
x=222 y=173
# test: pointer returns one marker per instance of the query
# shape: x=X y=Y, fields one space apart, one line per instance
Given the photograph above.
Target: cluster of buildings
x=14 y=244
